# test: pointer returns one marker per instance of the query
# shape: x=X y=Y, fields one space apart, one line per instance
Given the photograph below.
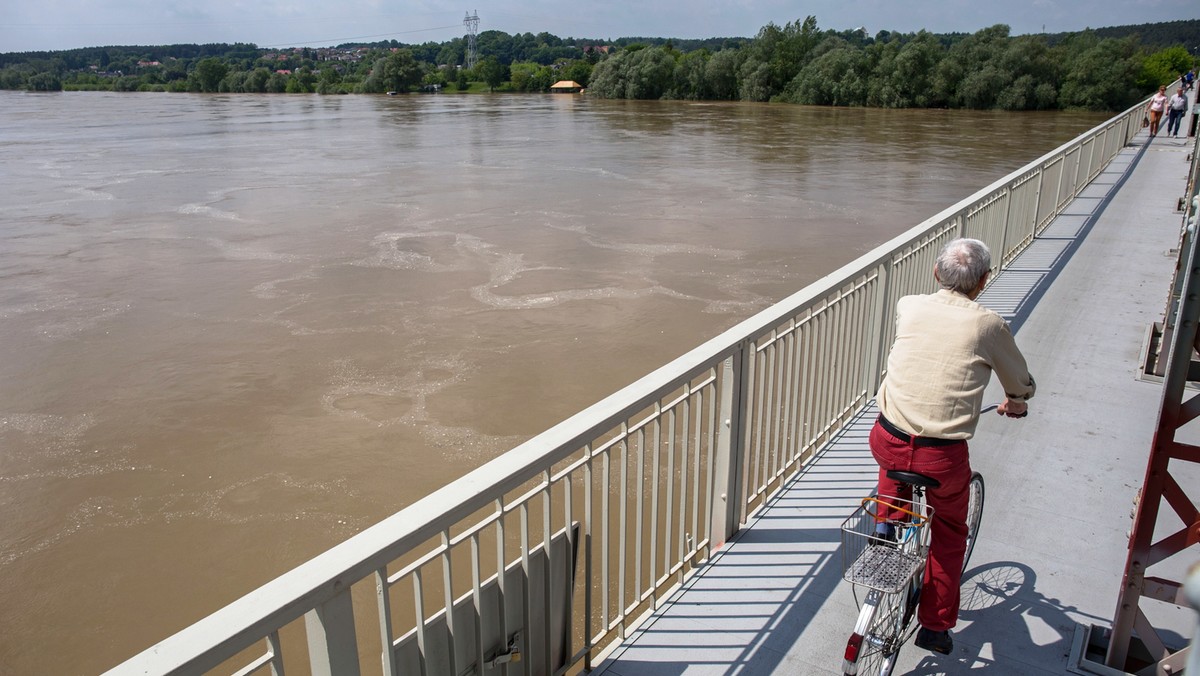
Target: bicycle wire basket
x=871 y=559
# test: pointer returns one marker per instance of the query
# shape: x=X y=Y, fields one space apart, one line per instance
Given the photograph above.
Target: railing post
x=730 y=450
x=332 y=644
x=1008 y=209
x=1077 y=184
x=880 y=320
x=1062 y=170
x=1037 y=200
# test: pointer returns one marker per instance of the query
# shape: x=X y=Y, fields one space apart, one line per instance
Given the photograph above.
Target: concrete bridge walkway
x=1060 y=483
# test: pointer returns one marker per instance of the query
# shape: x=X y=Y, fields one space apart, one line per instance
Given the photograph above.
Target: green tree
x=523 y=76
x=969 y=58
x=209 y=73
x=1099 y=74
x=836 y=78
x=906 y=80
x=256 y=81
x=578 y=70
x=12 y=77
x=400 y=71
x=44 y=82
x=277 y=83
x=493 y=72
x=689 y=76
x=651 y=73
x=608 y=77
x=721 y=74
x=640 y=73
x=1163 y=67
x=496 y=44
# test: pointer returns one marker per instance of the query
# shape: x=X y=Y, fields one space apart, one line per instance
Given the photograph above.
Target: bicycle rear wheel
x=877 y=637
x=974 y=514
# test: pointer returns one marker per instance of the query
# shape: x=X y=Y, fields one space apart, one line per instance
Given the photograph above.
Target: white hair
x=962 y=263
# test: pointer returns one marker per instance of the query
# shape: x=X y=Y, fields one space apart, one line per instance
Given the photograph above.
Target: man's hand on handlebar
x=1013 y=409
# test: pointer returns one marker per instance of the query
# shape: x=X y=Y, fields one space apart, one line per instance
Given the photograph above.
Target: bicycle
x=890 y=563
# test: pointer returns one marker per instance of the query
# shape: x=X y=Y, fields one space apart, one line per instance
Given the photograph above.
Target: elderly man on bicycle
x=946 y=348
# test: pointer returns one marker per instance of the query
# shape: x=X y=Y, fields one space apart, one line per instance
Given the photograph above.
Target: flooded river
x=238 y=329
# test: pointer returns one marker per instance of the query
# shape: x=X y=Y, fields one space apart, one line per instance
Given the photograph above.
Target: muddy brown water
x=236 y=330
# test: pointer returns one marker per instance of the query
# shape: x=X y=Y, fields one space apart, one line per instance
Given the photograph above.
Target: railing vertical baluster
x=605 y=518
x=668 y=520
x=881 y=316
x=622 y=535
x=710 y=483
x=778 y=357
x=419 y=608
x=795 y=429
x=572 y=547
x=656 y=460
x=639 y=524
x=547 y=535
x=477 y=597
x=448 y=599
x=788 y=413
x=1007 y=249
x=383 y=595
x=696 y=474
x=854 y=324
x=589 y=607
x=760 y=446
x=870 y=318
x=809 y=369
x=276 y=649
x=821 y=377
x=685 y=429
x=526 y=584
x=501 y=579
x=837 y=394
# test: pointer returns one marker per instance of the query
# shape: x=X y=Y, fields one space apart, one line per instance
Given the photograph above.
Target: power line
x=359 y=37
x=160 y=24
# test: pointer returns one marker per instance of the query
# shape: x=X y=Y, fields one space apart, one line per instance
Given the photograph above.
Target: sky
x=46 y=25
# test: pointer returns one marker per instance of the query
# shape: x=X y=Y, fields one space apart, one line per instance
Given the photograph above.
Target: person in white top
x=1158 y=104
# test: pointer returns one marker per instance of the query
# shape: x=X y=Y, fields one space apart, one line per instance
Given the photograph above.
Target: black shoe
x=885 y=534
x=936 y=641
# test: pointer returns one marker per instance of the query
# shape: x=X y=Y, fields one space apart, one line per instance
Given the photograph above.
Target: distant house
x=566 y=87
x=284 y=71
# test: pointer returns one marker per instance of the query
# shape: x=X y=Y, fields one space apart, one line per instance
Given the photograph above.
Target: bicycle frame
x=892 y=572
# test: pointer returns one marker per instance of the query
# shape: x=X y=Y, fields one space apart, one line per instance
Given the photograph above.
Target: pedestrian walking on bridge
x=1176 y=107
x=1158 y=103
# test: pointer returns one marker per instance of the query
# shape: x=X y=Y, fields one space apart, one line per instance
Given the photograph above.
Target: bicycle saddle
x=913 y=479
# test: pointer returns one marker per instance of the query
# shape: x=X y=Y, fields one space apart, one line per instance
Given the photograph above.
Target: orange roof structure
x=566 y=84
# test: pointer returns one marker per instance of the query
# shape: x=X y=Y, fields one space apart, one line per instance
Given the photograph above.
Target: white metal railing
x=687 y=454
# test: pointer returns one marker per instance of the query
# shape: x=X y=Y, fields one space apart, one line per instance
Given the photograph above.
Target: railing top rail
x=233 y=628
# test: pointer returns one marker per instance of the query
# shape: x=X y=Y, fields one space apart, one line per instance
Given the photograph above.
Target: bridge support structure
x=1162 y=485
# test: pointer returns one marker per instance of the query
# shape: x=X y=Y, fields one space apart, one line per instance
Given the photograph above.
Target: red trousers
x=950 y=465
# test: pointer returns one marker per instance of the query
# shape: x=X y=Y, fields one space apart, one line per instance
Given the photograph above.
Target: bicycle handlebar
x=993 y=407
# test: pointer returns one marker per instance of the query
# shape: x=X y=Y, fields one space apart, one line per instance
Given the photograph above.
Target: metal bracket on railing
x=511 y=654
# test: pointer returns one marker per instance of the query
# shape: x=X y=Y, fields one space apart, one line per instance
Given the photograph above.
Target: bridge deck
x=1060 y=484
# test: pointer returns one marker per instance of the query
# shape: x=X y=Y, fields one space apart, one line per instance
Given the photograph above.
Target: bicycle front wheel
x=974 y=515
